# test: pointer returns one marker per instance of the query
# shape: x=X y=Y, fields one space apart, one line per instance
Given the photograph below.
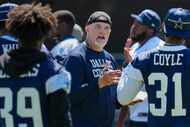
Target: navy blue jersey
x=90 y=106
x=23 y=100
x=166 y=74
x=7 y=43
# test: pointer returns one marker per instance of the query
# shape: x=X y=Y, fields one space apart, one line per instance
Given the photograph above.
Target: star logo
x=178 y=23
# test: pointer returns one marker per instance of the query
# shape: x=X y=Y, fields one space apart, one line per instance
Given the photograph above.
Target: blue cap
x=149 y=18
x=177 y=23
x=4 y=10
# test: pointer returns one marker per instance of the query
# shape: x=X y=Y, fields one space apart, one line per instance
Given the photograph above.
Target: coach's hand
x=109 y=77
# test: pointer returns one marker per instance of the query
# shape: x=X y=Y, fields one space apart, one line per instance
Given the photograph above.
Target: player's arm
x=123 y=116
x=80 y=89
x=58 y=87
x=124 y=112
x=58 y=109
x=129 y=85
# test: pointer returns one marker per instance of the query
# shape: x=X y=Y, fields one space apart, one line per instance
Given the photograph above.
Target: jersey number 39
x=22 y=111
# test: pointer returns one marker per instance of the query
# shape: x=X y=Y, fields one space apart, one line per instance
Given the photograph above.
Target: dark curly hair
x=31 y=23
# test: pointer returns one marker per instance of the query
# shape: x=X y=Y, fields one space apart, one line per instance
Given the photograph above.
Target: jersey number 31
x=178 y=109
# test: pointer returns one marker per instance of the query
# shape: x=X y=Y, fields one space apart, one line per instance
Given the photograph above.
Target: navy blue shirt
x=166 y=73
x=23 y=100
x=90 y=106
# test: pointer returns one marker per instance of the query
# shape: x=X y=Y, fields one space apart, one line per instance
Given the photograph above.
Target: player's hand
x=127 y=49
x=133 y=102
x=109 y=77
x=129 y=42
